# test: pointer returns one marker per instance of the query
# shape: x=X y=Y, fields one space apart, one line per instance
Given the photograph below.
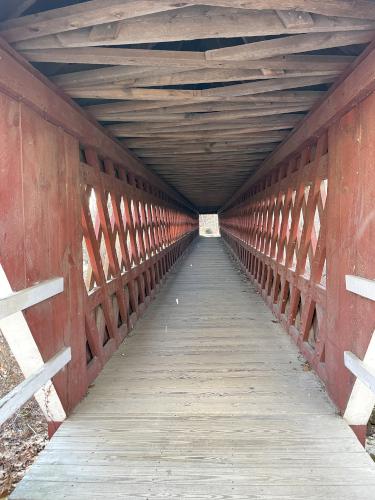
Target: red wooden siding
x=107 y=225
x=300 y=229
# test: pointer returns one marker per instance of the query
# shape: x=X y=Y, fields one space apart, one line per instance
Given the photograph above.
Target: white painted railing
x=22 y=344
x=362 y=399
x=14 y=302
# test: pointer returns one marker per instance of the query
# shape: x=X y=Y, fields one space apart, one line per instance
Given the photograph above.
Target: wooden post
x=350 y=243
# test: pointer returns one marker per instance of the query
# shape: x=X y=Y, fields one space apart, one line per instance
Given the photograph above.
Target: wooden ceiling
x=202 y=91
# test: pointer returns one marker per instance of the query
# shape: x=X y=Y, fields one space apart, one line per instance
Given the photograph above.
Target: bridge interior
x=208 y=398
x=121 y=122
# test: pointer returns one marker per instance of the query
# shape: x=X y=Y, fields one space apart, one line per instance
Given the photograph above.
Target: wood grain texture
x=208 y=398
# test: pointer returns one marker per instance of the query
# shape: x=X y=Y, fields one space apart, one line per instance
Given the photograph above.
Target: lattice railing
x=132 y=235
x=278 y=233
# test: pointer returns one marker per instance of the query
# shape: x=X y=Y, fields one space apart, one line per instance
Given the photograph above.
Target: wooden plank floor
x=207 y=399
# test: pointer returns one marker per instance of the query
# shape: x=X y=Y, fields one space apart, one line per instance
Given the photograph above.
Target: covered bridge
x=252 y=373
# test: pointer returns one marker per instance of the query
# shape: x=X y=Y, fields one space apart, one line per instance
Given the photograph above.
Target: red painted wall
x=40 y=232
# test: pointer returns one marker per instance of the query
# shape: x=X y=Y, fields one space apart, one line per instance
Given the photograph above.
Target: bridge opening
x=186 y=245
x=209 y=225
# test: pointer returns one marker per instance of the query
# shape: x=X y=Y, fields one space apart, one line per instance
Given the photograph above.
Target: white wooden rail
x=22 y=344
x=13 y=302
x=362 y=399
x=12 y=401
x=360 y=286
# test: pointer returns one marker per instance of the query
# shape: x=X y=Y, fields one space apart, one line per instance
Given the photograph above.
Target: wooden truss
x=258 y=68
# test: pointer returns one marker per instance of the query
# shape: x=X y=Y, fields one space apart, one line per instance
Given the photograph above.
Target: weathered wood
x=363 y=372
x=189 y=24
x=182 y=60
x=78 y=16
x=18 y=301
x=295 y=19
x=290 y=45
x=18 y=81
x=358 y=84
x=360 y=286
x=18 y=396
x=362 y=399
x=237 y=102
x=193 y=77
x=185 y=408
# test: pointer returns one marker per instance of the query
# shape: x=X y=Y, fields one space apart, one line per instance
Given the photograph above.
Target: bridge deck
x=208 y=399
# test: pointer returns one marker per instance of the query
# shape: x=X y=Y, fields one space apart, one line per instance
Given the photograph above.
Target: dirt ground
x=24 y=435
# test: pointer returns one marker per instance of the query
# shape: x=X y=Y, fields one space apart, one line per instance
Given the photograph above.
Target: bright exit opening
x=209 y=225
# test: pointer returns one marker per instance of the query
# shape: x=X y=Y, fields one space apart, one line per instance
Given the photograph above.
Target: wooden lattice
x=132 y=235
x=278 y=233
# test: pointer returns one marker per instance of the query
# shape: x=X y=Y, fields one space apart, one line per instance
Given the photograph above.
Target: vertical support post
x=350 y=244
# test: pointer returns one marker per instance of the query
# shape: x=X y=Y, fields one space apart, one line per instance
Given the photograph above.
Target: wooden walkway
x=207 y=399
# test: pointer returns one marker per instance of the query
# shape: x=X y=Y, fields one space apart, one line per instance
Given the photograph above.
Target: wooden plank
x=214 y=76
x=363 y=372
x=175 y=60
x=360 y=286
x=238 y=102
x=21 y=82
x=183 y=119
x=255 y=140
x=18 y=301
x=78 y=16
x=356 y=85
x=192 y=23
x=290 y=45
x=23 y=347
x=293 y=19
x=266 y=86
x=18 y=396
x=362 y=398
x=185 y=409
x=235 y=90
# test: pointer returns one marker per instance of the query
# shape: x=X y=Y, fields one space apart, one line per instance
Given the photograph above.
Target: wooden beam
x=18 y=301
x=190 y=24
x=23 y=347
x=266 y=86
x=117 y=56
x=22 y=82
x=290 y=45
x=198 y=149
x=238 y=102
x=216 y=76
x=176 y=60
x=145 y=94
x=95 y=12
x=73 y=17
x=167 y=114
x=362 y=398
x=18 y=396
x=183 y=119
x=364 y=372
x=110 y=75
x=360 y=286
x=295 y=19
x=344 y=95
x=253 y=124
x=255 y=138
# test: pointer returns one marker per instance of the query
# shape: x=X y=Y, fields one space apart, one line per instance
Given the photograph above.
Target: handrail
x=18 y=396
x=362 y=398
x=11 y=306
x=18 y=301
x=365 y=374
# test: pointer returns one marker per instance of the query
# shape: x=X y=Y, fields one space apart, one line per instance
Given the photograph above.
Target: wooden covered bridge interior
x=252 y=373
